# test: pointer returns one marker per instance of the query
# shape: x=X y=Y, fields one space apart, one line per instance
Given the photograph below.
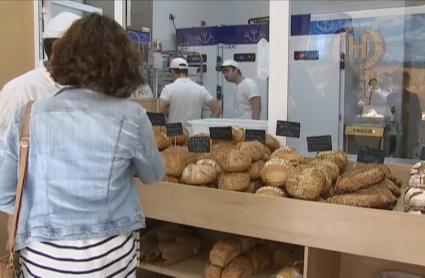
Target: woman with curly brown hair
x=80 y=209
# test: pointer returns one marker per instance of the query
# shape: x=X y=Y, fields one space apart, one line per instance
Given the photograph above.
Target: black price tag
x=157 y=118
x=199 y=144
x=369 y=155
x=319 y=143
x=174 y=129
x=255 y=134
x=422 y=155
x=221 y=133
x=288 y=129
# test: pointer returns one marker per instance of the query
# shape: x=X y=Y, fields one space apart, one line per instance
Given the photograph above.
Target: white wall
x=190 y=13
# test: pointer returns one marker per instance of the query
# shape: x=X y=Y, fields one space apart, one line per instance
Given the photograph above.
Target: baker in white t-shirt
x=247 y=100
x=184 y=98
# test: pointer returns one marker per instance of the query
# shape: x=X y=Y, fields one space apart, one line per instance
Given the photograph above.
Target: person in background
x=184 y=99
x=247 y=100
x=383 y=89
x=80 y=209
x=37 y=83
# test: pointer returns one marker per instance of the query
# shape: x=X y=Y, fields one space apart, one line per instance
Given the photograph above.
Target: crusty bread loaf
x=247 y=243
x=183 y=151
x=286 y=153
x=260 y=257
x=339 y=157
x=161 y=140
x=275 y=172
x=198 y=174
x=254 y=171
x=234 y=181
x=272 y=142
x=358 y=178
x=391 y=186
x=173 y=162
x=238 y=268
x=307 y=184
x=289 y=272
x=211 y=162
x=220 y=150
x=238 y=134
x=235 y=161
x=212 y=271
x=224 y=251
x=254 y=148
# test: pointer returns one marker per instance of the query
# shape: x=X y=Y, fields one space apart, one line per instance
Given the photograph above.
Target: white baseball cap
x=179 y=63
x=230 y=63
x=58 y=25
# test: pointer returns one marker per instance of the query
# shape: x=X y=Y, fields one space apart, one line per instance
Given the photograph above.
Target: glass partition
x=356 y=72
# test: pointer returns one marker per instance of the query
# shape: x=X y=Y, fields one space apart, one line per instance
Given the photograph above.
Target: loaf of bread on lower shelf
x=289 y=272
x=240 y=267
x=212 y=271
x=224 y=251
x=260 y=257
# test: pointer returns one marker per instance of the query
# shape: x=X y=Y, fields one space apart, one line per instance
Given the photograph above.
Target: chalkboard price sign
x=319 y=143
x=221 y=133
x=157 y=118
x=199 y=144
x=288 y=129
x=370 y=155
x=255 y=134
x=174 y=129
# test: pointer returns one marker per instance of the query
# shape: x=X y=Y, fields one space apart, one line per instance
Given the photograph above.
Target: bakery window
x=367 y=72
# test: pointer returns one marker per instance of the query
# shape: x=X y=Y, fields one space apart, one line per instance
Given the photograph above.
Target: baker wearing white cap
x=247 y=100
x=184 y=99
x=37 y=83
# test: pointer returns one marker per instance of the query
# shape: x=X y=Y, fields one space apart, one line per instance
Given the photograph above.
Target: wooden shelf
x=191 y=268
x=389 y=235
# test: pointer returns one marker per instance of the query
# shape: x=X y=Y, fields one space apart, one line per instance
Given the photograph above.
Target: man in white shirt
x=37 y=83
x=247 y=100
x=184 y=98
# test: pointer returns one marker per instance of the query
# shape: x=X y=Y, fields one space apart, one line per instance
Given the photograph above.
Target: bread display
x=198 y=174
x=174 y=163
x=286 y=153
x=224 y=251
x=308 y=184
x=238 y=268
x=270 y=191
x=272 y=143
x=234 y=181
x=254 y=171
x=212 y=271
x=235 y=161
x=260 y=257
x=161 y=140
x=275 y=172
x=253 y=148
x=358 y=178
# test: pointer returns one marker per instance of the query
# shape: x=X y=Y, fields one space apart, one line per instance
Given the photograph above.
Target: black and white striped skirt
x=115 y=256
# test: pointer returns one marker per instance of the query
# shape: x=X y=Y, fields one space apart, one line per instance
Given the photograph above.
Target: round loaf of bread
x=418 y=168
x=238 y=268
x=238 y=134
x=272 y=142
x=417 y=180
x=275 y=172
x=210 y=162
x=253 y=148
x=174 y=163
x=339 y=157
x=235 y=161
x=224 y=251
x=183 y=151
x=220 y=150
x=289 y=272
x=415 y=199
x=329 y=167
x=161 y=140
x=270 y=191
x=307 y=185
x=212 y=271
x=286 y=153
x=234 y=181
x=254 y=171
x=198 y=174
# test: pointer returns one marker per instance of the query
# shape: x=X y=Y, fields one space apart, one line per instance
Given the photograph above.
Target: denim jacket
x=84 y=147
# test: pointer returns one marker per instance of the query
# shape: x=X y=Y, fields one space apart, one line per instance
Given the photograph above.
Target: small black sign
x=222 y=133
x=255 y=134
x=422 y=155
x=306 y=55
x=157 y=118
x=319 y=143
x=199 y=144
x=174 y=129
x=370 y=155
x=288 y=129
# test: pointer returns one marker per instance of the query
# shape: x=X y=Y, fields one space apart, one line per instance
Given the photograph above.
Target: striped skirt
x=115 y=256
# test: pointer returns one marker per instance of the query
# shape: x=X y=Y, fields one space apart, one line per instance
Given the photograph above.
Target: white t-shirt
x=245 y=90
x=185 y=99
x=32 y=85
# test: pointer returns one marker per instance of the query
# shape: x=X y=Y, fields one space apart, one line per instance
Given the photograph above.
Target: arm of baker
x=256 y=107
x=147 y=159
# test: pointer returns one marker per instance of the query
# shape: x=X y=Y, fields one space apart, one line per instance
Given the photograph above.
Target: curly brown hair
x=95 y=53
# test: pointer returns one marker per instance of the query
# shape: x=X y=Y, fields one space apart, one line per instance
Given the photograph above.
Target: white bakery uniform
x=245 y=90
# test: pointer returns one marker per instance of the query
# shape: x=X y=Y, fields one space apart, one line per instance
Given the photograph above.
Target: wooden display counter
x=385 y=235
